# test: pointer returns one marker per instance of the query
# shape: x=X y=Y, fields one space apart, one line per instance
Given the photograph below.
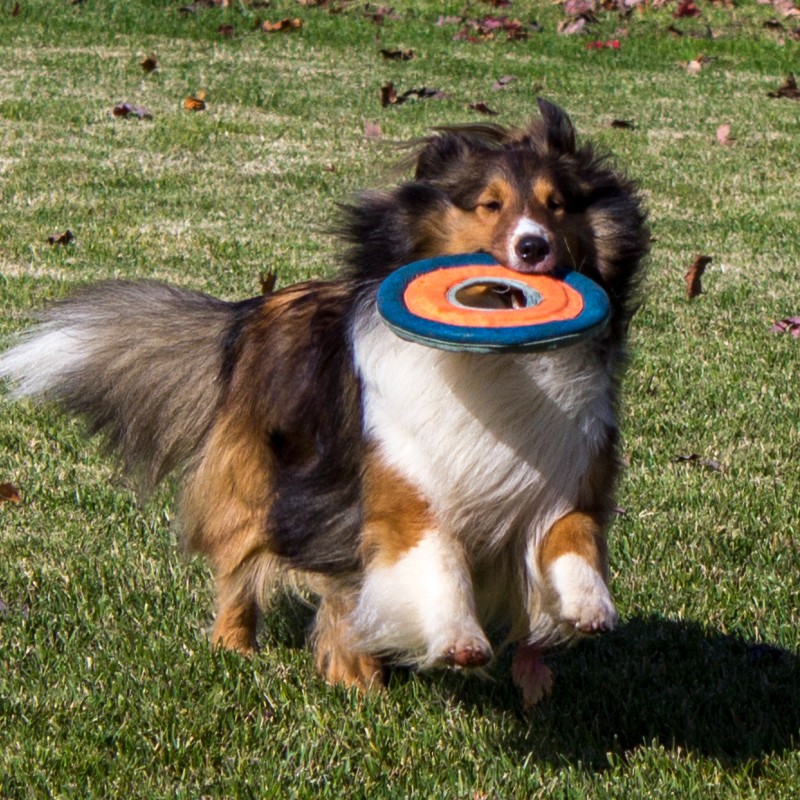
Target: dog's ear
x=438 y=155
x=558 y=128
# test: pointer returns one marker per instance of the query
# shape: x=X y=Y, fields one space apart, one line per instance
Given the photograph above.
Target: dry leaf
x=569 y=27
x=788 y=89
x=482 y=108
x=502 y=83
x=372 y=130
x=788 y=325
x=624 y=124
x=267 y=281
x=226 y=30
x=398 y=55
x=15 y=11
x=9 y=493
x=724 y=135
x=388 y=95
x=130 y=110
x=195 y=102
x=686 y=8
x=282 y=26
x=150 y=64
x=62 y=238
x=695 y=273
x=695 y=458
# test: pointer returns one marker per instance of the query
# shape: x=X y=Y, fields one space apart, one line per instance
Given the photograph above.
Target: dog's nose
x=532 y=249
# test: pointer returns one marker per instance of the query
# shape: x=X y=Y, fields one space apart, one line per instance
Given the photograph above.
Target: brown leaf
x=710 y=464
x=502 y=83
x=695 y=273
x=9 y=493
x=686 y=8
x=226 y=30
x=482 y=108
x=129 y=110
x=15 y=11
x=569 y=27
x=62 y=238
x=389 y=95
x=624 y=124
x=150 y=64
x=788 y=89
x=282 y=26
x=372 y=130
x=195 y=102
x=267 y=281
x=398 y=55
x=724 y=135
x=787 y=325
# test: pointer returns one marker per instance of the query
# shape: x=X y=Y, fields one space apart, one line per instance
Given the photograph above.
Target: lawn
x=108 y=687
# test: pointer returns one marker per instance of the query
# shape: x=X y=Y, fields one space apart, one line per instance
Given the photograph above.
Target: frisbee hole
x=493 y=295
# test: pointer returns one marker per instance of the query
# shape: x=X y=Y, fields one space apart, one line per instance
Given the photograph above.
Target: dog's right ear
x=559 y=131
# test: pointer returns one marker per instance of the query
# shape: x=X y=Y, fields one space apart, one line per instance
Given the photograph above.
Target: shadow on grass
x=676 y=684
x=653 y=681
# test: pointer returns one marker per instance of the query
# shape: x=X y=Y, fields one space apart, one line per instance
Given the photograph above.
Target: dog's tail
x=146 y=364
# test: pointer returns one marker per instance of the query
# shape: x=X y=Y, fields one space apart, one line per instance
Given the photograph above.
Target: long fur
x=442 y=504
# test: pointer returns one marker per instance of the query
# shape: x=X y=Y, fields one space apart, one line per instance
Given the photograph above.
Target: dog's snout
x=532 y=249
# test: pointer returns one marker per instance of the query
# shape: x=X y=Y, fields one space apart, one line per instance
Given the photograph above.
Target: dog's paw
x=586 y=604
x=463 y=652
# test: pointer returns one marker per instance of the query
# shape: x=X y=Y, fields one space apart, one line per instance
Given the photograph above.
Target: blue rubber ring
x=522 y=338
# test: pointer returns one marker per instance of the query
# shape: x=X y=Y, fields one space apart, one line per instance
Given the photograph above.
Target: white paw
x=586 y=603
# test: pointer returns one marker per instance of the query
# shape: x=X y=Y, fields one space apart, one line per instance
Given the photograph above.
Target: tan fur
x=395 y=514
x=579 y=534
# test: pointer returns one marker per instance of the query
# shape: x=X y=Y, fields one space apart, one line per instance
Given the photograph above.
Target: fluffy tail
x=144 y=363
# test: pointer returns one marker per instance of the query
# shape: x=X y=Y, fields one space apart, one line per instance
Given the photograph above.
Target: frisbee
x=473 y=303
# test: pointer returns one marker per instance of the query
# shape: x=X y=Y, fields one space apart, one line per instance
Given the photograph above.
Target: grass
x=109 y=687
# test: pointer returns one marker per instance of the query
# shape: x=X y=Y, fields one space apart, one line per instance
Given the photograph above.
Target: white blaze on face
x=527 y=227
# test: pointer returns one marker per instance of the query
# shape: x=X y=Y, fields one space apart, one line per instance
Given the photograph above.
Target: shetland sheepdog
x=441 y=505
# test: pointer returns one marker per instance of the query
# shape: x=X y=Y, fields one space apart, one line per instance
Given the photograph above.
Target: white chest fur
x=499 y=444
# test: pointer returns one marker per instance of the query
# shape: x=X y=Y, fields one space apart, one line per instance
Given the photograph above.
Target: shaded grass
x=111 y=689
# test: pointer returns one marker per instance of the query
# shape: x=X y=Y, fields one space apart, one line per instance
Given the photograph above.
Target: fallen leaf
x=150 y=64
x=788 y=89
x=442 y=21
x=686 y=8
x=487 y=28
x=482 y=108
x=226 y=30
x=569 y=27
x=380 y=14
x=130 y=110
x=389 y=95
x=195 y=102
x=15 y=11
x=372 y=130
x=611 y=44
x=267 y=281
x=9 y=493
x=62 y=238
x=696 y=65
x=398 y=55
x=502 y=83
x=788 y=325
x=695 y=273
x=724 y=135
x=710 y=464
x=282 y=26
x=624 y=124
x=578 y=8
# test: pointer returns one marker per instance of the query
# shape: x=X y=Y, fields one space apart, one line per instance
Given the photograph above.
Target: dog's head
x=534 y=198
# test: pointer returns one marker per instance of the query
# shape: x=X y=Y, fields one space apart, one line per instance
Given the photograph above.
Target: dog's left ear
x=559 y=131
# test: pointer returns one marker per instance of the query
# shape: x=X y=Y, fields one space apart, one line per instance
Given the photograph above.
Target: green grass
x=108 y=687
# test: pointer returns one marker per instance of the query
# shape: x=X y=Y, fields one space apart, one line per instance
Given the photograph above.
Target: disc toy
x=473 y=303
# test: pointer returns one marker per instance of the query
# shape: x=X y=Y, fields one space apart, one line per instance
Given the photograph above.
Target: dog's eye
x=554 y=204
x=492 y=205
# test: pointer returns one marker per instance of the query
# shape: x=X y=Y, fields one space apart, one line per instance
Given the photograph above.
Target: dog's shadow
x=651 y=682
x=668 y=683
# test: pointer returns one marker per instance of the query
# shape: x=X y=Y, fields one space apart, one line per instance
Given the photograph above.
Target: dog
x=441 y=505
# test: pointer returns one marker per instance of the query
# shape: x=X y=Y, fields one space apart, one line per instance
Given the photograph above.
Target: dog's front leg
x=573 y=561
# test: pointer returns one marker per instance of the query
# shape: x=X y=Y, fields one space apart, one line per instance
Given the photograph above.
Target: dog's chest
x=490 y=436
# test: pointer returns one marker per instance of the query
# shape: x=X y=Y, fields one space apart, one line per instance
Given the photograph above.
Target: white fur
x=498 y=444
x=42 y=358
x=584 y=596
x=420 y=606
